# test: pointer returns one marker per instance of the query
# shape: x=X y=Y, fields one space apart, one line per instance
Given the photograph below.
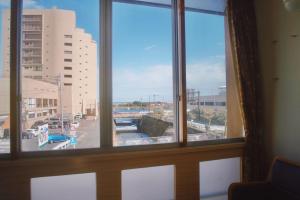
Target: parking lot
x=87 y=136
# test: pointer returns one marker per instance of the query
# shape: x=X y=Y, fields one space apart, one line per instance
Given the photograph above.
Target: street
x=87 y=134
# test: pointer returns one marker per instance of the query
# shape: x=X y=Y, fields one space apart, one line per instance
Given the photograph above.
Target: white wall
x=280 y=61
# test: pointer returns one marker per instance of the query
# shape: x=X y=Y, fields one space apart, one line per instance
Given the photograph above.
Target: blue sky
x=142 y=47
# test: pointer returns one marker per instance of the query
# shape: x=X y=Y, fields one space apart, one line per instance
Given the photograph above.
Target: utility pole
x=149 y=103
x=61 y=102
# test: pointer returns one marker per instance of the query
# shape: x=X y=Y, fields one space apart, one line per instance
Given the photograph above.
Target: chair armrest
x=249 y=191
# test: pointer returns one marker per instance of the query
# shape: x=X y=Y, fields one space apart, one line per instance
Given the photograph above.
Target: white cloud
x=31 y=4
x=148 y=48
x=135 y=84
x=206 y=77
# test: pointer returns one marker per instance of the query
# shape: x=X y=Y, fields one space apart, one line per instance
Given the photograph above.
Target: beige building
x=55 y=50
x=40 y=100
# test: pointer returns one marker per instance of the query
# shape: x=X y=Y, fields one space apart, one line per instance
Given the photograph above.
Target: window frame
x=106 y=134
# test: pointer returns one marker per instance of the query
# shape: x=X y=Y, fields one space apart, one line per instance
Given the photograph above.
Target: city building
x=55 y=50
x=40 y=100
x=194 y=98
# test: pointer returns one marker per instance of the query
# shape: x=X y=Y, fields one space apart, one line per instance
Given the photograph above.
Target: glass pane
x=4 y=77
x=59 y=65
x=143 y=99
x=67 y=187
x=206 y=5
x=216 y=176
x=205 y=76
x=152 y=183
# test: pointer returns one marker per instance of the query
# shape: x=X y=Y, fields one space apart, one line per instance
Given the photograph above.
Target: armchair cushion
x=282 y=184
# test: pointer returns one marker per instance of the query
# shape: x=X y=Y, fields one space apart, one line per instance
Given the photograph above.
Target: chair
x=283 y=183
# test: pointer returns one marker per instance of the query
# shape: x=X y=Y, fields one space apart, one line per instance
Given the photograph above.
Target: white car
x=75 y=124
x=33 y=132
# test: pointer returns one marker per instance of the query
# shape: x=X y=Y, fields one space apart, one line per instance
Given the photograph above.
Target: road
x=88 y=136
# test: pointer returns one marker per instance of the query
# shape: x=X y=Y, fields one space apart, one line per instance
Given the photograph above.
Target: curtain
x=241 y=21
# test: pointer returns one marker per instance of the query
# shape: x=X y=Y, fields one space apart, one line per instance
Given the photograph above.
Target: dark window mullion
x=106 y=129
x=15 y=78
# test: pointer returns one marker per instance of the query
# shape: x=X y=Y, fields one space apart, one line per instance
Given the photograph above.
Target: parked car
x=37 y=123
x=66 y=124
x=78 y=116
x=57 y=137
x=27 y=135
x=53 y=125
x=34 y=132
x=6 y=133
x=54 y=119
x=75 y=124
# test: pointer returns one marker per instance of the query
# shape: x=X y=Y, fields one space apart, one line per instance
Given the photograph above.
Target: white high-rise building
x=55 y=50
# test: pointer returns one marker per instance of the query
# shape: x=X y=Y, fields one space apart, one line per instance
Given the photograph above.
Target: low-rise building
x=40 y=100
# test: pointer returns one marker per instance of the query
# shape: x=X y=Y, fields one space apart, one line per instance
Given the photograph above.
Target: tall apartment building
x=55 y=50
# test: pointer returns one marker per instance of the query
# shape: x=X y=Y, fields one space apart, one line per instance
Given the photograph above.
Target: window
x=47 y=89
x=68 y=36
x=38 y=103
x=141 y=73
x=31 y=115
x=143 y=89
x=68 y=52
x=74 y=186
x=68 y=44
x=5 y=78
x=217 y=175
x=67 y=76
x=68 y=68
x=31 y=103
x=45 y=102
x=67 y=60
x=55 y=102
x=205 y=74
x=160 y=179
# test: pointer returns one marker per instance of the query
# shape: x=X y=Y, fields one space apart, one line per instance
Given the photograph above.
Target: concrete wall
x=152 y=126
x=4 y=96
x=279 y=43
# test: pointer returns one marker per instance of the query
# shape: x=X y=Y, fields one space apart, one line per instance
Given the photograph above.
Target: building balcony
x=32 y=39
x=31 y=47
x=25 y=19
x=31 y=28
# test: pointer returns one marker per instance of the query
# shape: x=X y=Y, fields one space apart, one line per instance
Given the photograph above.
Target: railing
x=62 y=145
x=28 y=28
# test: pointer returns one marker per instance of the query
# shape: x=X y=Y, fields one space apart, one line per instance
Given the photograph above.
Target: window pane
x=143 y=105
x=216 y=176
x=67 y=187
x=4 y=77
x=59 y=65
x=205 y=76
x=148 y=183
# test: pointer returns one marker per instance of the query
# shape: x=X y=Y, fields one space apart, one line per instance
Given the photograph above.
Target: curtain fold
x=241 y=21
